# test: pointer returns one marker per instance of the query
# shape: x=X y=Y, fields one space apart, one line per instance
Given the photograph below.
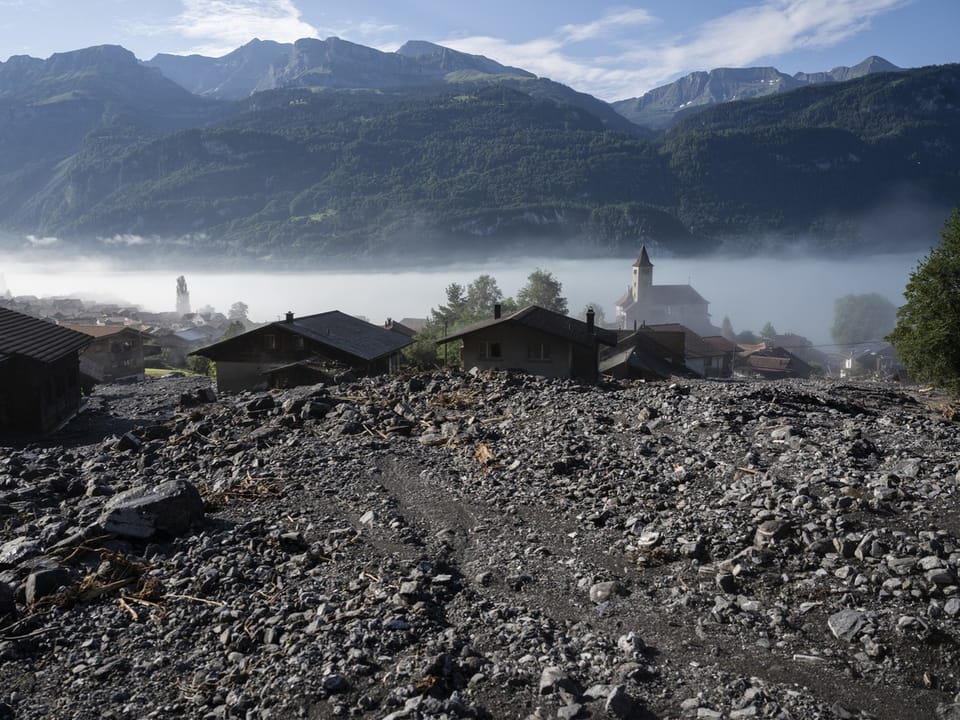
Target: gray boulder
x=47 y=581
x=169 y=508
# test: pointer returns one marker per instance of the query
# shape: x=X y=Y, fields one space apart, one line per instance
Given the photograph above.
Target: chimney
x=496 y=311
x=591 y=316
x=289 y=316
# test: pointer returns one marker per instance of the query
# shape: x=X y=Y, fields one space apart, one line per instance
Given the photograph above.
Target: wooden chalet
x=294 y=348
x=116 y=353
x=537 y=341
x=39 y=373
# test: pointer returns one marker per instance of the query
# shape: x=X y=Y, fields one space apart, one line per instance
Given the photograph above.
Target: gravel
x=484 y=545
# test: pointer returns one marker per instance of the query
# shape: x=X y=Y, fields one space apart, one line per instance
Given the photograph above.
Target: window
x=270 y=342
x=538 y=351
x=298 y=342
x=490 y=350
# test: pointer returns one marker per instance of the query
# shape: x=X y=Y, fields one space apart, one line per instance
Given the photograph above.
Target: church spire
x=644 y=259
x=642 y=276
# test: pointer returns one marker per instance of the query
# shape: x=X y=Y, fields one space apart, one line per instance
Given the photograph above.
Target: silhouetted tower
x=183 y=296
x=642 y=275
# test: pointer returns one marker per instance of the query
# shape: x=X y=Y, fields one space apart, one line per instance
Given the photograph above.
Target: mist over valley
x=795 y=293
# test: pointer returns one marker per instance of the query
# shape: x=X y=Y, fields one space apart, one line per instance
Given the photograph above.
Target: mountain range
x=325 y=150
x=663 y=106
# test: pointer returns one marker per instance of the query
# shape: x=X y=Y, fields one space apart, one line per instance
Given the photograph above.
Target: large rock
x=47 y=581
x=169 y=508
x=17 y=550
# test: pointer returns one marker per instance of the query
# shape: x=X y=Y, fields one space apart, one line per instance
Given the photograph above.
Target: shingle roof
x=643 y=352
x=37 y=339
x=548 y=321
x=675 y=295
x=660 y=295
x=694 y=345
x=99 y=331
x=349 y=334
x=334 y=329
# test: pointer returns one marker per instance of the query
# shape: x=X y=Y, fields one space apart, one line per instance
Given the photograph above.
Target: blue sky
x=613 y=51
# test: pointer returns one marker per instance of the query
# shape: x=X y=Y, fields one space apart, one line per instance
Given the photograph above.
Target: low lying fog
x=795 y=294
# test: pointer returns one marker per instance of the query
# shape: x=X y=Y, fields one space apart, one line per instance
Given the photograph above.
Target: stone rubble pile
x=485 y=545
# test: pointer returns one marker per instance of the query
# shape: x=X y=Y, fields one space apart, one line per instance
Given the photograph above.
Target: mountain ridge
x=94 y=145
x=661 y=107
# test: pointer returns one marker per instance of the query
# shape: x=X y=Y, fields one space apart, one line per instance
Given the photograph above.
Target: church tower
x=642 y=276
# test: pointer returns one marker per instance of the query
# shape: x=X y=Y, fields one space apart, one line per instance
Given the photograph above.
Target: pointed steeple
x=642 y=276
x=644 y=259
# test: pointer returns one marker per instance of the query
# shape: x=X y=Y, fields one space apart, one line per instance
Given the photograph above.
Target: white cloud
x=129 y=240
x=42 y=241
x=220 y=26
x=747 y=36
x=608 y=24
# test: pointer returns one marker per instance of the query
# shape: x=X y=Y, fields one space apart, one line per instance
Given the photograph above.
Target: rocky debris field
x=484 y=546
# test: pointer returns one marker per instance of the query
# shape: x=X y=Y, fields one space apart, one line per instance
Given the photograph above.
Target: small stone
x=602 y=591
x=771 y=532
x=569 y=712
x=726 y=582
x=620 y=704
x=335 y=683
x=846 y=624
x=553 y=679
x=940 y=577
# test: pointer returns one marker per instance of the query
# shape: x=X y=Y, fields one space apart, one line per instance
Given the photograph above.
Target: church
x=646 y=303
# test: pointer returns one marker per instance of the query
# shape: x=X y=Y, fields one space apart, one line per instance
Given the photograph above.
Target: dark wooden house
x=771 y=362
x=115 y=353
x=39 y=373
x=295 y=348
x=536 y=340
x=646 y=356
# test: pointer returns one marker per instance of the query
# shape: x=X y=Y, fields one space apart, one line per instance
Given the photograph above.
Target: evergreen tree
x=451 y=315
x=726 y=328
x=928 y=324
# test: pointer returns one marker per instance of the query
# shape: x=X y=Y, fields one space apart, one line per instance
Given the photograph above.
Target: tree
x=238 y=311
x=768 y=331
x=424 y=354
x=236 y=327
x=859 y=318
x=746 y=337
x=451 y=314
x=482 y=294
x=726 y=328
x=928 y=324
x=542 y=289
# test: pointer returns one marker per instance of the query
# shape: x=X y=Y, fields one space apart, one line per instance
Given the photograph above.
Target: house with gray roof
x=332 y=340
x=39 y=373
x=116 y=353
x=646 y=303
x=535 y=340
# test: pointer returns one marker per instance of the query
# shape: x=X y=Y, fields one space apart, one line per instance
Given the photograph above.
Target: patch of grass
x=160 y=372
